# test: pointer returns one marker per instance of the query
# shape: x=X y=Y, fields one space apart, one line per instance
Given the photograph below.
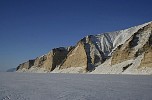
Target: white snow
x=107 y=42
x=69 y=70
x=36 y=86
x=107 y=68
x=33 y=69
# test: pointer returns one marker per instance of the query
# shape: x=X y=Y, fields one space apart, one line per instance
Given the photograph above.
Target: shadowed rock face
x=94 y=55
x=58 y=56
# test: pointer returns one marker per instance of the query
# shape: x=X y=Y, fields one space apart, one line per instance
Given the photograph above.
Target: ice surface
x=36 y=86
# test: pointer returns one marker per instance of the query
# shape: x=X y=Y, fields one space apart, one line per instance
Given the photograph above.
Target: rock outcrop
x=46 y=62
x=76 y=58
x=85 y=54
x=26 y=65
x=126 y=51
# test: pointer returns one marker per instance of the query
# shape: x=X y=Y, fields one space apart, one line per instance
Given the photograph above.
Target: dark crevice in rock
x=26 y=65
x=150 y=39
x=31 y=63
x=127 y=66
x=59 y=54
x=134 y=41
x=139 y=52
x=90 y=66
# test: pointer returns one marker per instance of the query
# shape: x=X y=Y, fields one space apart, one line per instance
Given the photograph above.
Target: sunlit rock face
x=76 y=58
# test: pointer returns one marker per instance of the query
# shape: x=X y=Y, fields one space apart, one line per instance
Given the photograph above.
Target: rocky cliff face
x=125 y=51
x=76 y=58
x=132 y=57
x=136 y=45
x=46 y=62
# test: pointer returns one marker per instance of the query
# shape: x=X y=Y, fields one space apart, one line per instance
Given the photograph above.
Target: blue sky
x=31 y=28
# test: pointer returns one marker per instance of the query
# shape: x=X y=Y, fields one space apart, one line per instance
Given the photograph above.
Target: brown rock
x=85 y=55
x=147 y=60
x=76 y=58
x=49 y=61
x=26 y=65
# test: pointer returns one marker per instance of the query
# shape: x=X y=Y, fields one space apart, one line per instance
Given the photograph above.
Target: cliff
x=126 y=51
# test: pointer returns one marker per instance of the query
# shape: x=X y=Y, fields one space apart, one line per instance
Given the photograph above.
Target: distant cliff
x=126 y=51
x=11 y=70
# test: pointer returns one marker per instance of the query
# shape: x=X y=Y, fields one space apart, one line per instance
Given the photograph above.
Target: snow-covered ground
x=38 y=86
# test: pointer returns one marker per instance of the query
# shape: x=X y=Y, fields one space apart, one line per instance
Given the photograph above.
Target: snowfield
x=38 y=86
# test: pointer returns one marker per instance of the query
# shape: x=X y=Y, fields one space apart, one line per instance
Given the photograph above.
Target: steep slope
x=112 y=49
x=132 y=57
x=133 y=47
